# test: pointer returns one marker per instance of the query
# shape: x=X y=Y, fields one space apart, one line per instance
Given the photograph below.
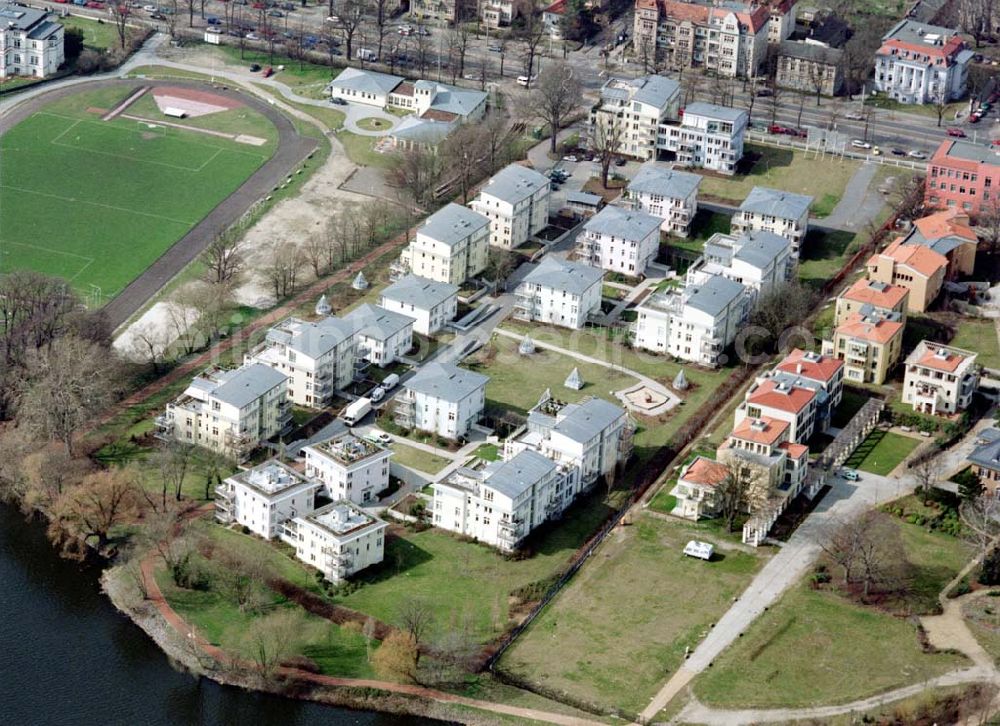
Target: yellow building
x=918 y=268
x=869 y=344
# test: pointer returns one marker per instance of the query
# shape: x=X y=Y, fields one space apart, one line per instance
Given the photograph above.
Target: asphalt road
x=292 y=150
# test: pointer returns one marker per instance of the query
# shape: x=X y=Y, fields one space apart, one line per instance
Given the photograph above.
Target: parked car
x=917 y=154
x=254 y=67
x=376 y=394
x=850 y=474
x=212 y=20
x=275 y=13
x=390 y=381
x=777 y=129
x=338 y=101
x=620 y=161
x=570 y=157
x=854 y=116
x=153 y=16
x=896 y=151
x=380 y=437
x=149 y=8
x=494 y=48
x=525 y=80
x=764 y=92
x=957 y=133
x=268 y=72
x=860 y=144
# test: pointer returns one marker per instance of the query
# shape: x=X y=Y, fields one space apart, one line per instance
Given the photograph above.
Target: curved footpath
x=185 y=631
x=292 y=150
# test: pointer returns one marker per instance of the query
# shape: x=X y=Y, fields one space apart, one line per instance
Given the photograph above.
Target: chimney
x=798 y=367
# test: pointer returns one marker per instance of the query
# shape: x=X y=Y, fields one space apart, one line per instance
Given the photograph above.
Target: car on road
x=496 y=48
x=570 y=157
x=957 y=133
x=254 y=67
x=896 y=151
x=252 y=36
x=380 y=437
x=973 y=118
x=763 y=92
x=854 y=116
x=525 y=80
x=268 y=72
x=876 y=151
x=149 y=8
x=338 y=101
x=850 y=474
x=275 y=13
x=860 y=144
x=917 y=154
x=156 y=16
x=406 y=30
x=620 y=161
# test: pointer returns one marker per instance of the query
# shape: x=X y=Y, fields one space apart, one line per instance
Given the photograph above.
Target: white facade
x=263 y=498
x=620 y=240
x=30 y=43
x=381 y=336
x=760 y=261
x=349 y=468
x=919 y=63
x=665 y=193
x=632 y=110
x=452 y=246
x=940 y=379
x=516 y=201
x=338 y=540
x=502 y=503
x=559 y=293
x=317 y=358
x=431 y=304
x=777 y=211
x=443 y=399
x=709 y=137
x=229 y=411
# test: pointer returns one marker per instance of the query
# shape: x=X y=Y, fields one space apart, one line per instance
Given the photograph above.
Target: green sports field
x=96 y=202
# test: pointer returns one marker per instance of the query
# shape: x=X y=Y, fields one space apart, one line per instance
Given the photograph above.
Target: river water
x=68 y=657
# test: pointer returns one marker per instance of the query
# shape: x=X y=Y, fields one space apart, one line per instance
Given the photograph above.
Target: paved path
x=857 y=206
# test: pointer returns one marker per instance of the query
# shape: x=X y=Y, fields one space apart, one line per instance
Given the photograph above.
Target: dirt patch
x=192 y=102
x=97 y=111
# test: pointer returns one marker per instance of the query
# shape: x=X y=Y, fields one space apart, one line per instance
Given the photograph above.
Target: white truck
x=356 y=411
x=390 y=382
x=366 y=55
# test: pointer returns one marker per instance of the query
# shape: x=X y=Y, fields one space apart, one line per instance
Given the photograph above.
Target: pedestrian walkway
x=859 y=204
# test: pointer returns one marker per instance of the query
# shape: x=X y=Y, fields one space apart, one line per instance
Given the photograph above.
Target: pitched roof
x=19 y=17
x=583 y=421
x=356 y=79
x=764 y=430
x=705 y=472
x=942 y=231
x=878 y=294
x=514 y=183
x=422 y=130
x=781 y=396
x=446 y=381
x=246 y=384
x=810 y=365
x=776 y=203
x=939 y=357
x=628 y=224
x=557 y=274
x=654 y=179
x=921 y=39
x=760 y=248
x=796 y=451
x=419 y=292
x=313 y=339
x=810 y=51
x=453 y=224
x=987 y=453
x=917 y=257
x=875 y=329
x=372 y=321
x=711 y=110
x=714 y=295
x=519 y=473
x=452 y=99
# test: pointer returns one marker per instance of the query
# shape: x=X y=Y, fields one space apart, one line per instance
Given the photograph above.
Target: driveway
x=358 y=111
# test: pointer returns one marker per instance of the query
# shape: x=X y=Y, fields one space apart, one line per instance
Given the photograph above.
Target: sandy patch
x=251 y=140
x=157 y=327
x=194 y=103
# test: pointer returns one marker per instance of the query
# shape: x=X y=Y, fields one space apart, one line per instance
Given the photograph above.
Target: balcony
x=405 y=412
x=164 y=427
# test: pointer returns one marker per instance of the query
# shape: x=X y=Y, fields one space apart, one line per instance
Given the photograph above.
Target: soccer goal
x=147 y=130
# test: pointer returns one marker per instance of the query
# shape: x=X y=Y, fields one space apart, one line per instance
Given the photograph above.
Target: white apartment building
x=773 y=210
x=263 y=498
x=620 y=240
x=497 y=13
x=695 y=324
x=782 y=399
x=443 y=399
x=349 y=467
x=451 y=246
x=709 y=137
x=381 y=336
x=516 y=201
x=940 y=379
x=229 y=411
x=665 y=193
x=317 y=358
x=559 y=293
x=760 y=261
x=920 y=63
x=503 y=502
x=631 y=110
x=431 y=304
x=594 y=436
x=781 y=24
x=339 y=540
x=30 y=43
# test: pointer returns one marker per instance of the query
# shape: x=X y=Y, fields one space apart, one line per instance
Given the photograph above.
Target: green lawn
x=817 y=648
x=464 y=581
x=881 y=452
x=981 y=337
x=418 y=459
x=131 y=195
x=850 y=403
x=620 y=628
x=793 y=171
x=329 y=116
x=488 y=452
x=294 y=73
x=235 y=121
x=372 y=124
x=823 y=254
x=361 y=150
x=663 y=501
x=96 y=35
x=703 y=226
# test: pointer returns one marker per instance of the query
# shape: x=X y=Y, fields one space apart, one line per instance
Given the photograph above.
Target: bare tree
x=314 y=250
x=181 y=319
x=418 y=172
x=173 y=461
x=147 y=344
x=423 y=49
x=463 y=153
x=927 y=470
x=607 y=134
x=532 y=33
x=733 y=495
x=283 y=268
x=91 y=509
x=223 y=258
x=416 y=616
x=496 y=139
x=556 y=95
x=975 y=17
x=277 y=636
x=988 y=224
x=120 y=13
x=980 y=518
x=867 y=549
x=382 y=10
x=351 y=14
x=48 y=473
x=243 y=573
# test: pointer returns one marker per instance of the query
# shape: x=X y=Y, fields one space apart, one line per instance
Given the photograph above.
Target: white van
x=376 y=394
x=366 y=55
x=390 y=382
x=525 y=80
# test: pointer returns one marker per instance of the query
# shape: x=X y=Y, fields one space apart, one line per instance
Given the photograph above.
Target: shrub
x=989 y=572
x=962 y=588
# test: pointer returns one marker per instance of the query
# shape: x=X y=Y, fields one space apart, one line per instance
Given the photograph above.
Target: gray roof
x=44 y=30
x=624 y=223
x=18 y=17
x=425 y=131
x=514 y=183
x=722 y=113
x=760 y=249
x=557 y=274
x=452 y=99
x=583 y=421
x=776 y=203
x=987 y=454
x=941 y=245
x=314 y=339
x=585 y=198
x=453 y=224
x=714 y=295
x=972 y=152
x=446 y=381
x=375 y=322
x=653 y=179
x=655 y=90
x=810 y=51
x=911 y=31
x=517 y=475
x=419 y=292
x=246 y=384
x=356 y=79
